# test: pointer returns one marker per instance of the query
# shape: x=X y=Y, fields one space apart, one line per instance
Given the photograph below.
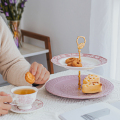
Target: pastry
x=69 y=64
x=77 y=63
x=91 y=84
x=70 y=60
x=30 y=78
x=92 y=87
x=91 y=78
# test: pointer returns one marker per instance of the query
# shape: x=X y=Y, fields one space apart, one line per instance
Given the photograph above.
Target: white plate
x=89 y=61
x=35 y=106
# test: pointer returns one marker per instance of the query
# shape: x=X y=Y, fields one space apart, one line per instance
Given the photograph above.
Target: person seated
x=13 y=66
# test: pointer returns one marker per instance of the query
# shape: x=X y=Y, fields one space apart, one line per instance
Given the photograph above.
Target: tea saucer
x=35 y=106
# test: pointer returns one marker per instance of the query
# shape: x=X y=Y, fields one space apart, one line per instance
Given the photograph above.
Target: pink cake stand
x=67 y=86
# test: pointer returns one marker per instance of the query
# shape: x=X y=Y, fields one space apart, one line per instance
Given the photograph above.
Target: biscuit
x=29 y=78
x=70 y=60
x=77 y=63
x=69 y=64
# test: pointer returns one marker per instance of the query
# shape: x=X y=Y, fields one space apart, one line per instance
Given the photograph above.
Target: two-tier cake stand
x=67 y=86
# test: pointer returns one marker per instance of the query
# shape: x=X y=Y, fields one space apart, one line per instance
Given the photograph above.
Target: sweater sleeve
x=13 y=66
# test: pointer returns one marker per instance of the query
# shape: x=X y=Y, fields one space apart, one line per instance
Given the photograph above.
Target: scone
x=91 y=84
x=91 y=78
x=92 y=87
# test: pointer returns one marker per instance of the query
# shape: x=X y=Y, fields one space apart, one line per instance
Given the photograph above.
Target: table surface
x=54 y=105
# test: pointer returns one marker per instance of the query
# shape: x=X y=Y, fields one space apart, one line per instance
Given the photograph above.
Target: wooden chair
x=44 y=38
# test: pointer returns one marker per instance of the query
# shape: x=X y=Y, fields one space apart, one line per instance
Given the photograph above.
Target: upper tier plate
x=89 y=61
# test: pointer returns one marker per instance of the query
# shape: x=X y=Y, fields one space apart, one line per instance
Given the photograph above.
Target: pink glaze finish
x=24 y=100
x=100 y=60
x=67 y=86
x=36 y=105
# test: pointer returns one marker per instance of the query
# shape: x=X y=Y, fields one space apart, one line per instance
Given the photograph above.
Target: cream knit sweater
x=13 y=66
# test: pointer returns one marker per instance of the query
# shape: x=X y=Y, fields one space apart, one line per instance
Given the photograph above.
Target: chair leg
x=49 y=57
x=49 y=63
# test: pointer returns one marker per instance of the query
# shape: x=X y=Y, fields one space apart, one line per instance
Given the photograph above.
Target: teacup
x=24 y=100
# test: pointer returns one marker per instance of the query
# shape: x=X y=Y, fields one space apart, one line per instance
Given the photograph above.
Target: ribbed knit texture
x=13 y=66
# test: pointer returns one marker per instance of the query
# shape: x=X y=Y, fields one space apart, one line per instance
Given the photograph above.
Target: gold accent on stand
x=80 y=46
x=79 y=83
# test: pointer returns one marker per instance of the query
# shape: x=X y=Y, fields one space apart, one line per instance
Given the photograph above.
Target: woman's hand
x=40 y=72
x=3 y=99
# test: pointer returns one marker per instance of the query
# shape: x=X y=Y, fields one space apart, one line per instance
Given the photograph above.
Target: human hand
x=4 y=98
x=40 y=72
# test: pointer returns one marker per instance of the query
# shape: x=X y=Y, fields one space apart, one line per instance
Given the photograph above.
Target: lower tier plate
x=67 y=86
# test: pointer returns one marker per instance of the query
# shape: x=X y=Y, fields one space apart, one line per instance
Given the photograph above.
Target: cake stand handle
x=81 y=45
x=79 y=83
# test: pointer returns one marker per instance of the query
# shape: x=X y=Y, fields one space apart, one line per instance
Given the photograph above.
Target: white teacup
x=24 y=101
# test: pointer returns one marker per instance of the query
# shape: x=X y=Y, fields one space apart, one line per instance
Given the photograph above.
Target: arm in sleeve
x=13 y=66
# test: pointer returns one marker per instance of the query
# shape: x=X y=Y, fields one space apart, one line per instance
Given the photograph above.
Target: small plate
x=67 y=86
x=35 y=106
x=89 y=61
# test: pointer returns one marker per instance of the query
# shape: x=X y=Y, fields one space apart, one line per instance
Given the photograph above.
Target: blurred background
x=63 y=21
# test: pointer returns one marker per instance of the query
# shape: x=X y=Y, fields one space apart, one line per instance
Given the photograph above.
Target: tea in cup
x=24 y=96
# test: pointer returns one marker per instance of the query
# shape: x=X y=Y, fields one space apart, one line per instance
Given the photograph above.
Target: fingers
x=44 y=79
x=6 y=106
x=3 y=93
x=6 y=99
x=39 y=70
x=3 y=112
x=44 y=70
x=33 y=68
